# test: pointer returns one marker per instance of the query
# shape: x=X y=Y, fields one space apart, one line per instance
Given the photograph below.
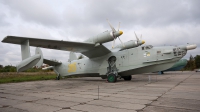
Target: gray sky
x=169 y=22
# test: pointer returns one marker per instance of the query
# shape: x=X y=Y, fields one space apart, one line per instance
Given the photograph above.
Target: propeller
x=114 y=31
x=139 y=40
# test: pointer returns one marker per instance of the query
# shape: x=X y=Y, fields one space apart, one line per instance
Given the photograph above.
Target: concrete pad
x=22 y=98
x=69 y=110
x=94 y=108
x=183 y=96
x=138 y=93
x=129 y=106
x=135 y=96
x=41 y=95
x=173 y=91
x=10 y=109
x=178 y=103
x=94 y=93
x=33 y=107
x=9 y=102
x=72 y=99
x=126 y=100
x=57 y=103
x=84 y=96
x=165 y=109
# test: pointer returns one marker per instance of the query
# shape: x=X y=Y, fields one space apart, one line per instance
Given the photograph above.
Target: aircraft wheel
x=112 y=78
x=127 y=78
x=58 y=77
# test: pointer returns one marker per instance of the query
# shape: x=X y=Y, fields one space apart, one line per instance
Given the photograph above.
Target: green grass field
x=21 y=77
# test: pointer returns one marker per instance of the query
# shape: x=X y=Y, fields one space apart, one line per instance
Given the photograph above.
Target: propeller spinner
x=139 y=42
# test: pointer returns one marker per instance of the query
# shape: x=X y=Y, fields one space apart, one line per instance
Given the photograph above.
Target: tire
x=127 y=78
x=112 y=78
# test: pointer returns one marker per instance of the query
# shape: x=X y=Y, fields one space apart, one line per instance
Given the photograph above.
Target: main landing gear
x=112 y=78
x=112 y=70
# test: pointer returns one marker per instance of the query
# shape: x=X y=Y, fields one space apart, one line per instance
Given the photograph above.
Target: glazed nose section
x=118 y=33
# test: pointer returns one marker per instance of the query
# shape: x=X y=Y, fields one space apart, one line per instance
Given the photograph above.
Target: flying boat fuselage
x=132 y=61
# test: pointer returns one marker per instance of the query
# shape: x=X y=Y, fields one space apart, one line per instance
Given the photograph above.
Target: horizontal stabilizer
x=51 y=62
x=28 y=63
x=35 y=60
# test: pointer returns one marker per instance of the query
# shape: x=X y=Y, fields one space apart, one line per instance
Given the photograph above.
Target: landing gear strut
x=112 y=70
x=58 y=77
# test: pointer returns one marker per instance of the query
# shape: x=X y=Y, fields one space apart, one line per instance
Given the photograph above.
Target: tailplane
x=27 y=60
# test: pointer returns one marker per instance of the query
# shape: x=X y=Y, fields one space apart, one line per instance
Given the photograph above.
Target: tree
x=191 y=64
x=197 y=61
x=1 y=66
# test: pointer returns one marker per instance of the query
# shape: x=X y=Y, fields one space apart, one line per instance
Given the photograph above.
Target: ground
x=172 y=91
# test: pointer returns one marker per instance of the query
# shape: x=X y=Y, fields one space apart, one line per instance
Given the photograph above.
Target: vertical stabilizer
x=25 y=50
x=40 y=62
x=28 y=62
x=72 y=56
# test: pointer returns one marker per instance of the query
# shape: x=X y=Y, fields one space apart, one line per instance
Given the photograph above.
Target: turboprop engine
x=106 y=36
x=131 y=43
x=27 y=60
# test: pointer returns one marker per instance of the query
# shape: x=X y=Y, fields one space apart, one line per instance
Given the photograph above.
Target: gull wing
x=88 y=49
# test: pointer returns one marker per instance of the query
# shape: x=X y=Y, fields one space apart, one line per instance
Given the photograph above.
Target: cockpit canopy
x=147 y=47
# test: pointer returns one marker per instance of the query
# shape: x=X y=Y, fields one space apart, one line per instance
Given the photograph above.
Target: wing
x=88 y=49
x=96 y=51
x=51 y=62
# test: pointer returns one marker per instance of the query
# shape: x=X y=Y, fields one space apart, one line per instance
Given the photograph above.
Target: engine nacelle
x=130 y=44
x=104 y=37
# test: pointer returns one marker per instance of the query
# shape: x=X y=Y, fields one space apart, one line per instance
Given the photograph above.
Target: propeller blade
x=118 y=26
x=141 y=37
x=121 y=42
x=136 y=37
x=113 y=46
x=111 y=26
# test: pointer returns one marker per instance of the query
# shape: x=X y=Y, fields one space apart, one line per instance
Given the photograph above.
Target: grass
x=22 y=77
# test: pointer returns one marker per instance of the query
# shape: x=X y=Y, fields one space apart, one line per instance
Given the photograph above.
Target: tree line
x=10 y=68
x=193 y=63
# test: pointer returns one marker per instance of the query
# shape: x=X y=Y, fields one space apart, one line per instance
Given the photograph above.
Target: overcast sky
x=169 y=22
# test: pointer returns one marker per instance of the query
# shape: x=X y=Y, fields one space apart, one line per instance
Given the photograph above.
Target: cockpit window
x=147 y=47
x=142 y=48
